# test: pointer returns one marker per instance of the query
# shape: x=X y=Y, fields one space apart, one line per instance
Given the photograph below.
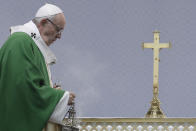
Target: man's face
x=51 y=29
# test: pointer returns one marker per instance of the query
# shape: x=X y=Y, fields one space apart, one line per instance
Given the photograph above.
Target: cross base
x=155 y=110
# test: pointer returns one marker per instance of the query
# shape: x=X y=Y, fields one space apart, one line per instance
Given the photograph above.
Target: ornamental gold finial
x=155 y=110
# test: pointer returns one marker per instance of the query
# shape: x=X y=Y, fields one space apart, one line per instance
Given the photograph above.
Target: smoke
x=79 y=74
x=88 y=89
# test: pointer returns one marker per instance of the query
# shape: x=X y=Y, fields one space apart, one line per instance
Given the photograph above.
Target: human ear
x=43 y=22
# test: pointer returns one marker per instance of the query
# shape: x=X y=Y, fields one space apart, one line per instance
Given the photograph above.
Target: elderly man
x=28 y=99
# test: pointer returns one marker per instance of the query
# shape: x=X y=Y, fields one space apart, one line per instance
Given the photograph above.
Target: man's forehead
x=60 y=19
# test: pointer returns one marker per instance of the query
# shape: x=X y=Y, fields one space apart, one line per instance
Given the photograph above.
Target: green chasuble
x=26 y=98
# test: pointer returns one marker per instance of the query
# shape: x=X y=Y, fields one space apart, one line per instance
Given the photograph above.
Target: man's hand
x=71 y=95
x=71 y=98
x=57 y=86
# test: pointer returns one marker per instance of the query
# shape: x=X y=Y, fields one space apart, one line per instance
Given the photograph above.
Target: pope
x=28 y=99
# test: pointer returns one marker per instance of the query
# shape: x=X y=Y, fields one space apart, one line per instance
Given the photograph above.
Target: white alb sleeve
x=60 y=109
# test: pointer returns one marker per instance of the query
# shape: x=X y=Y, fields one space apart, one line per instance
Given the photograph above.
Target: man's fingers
x=72 y=95
x=71 y=98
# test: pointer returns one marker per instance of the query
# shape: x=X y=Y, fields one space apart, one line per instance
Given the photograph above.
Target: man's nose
x=58 y=35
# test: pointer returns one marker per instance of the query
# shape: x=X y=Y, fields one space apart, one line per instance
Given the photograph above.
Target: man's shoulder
x=21 y=36
x=19 y=39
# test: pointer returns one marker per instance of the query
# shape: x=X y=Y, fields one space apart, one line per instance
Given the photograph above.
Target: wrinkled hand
x=57 y=86
x=71 y=98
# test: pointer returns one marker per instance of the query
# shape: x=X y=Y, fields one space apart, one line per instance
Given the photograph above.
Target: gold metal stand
x=155 y=110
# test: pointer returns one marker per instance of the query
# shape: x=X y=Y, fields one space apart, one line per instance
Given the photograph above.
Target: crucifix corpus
x=155 y=110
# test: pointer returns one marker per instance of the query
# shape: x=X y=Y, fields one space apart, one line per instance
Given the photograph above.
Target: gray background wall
x=100 y=56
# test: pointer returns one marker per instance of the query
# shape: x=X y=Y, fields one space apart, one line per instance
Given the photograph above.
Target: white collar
x=31 y=29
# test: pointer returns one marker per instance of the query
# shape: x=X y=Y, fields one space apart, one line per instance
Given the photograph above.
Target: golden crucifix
x=155 y=110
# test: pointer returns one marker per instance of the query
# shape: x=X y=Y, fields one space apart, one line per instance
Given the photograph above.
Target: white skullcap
x=48 y=10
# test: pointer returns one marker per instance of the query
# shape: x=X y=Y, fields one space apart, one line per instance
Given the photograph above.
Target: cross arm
x=165 y=45
x=147 y=45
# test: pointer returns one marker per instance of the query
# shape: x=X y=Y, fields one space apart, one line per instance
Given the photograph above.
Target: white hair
x=37 y=20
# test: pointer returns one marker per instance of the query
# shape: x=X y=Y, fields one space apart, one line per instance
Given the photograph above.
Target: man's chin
x=49 y=43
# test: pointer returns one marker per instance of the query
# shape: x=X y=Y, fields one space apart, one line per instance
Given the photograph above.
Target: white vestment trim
x=31 y=29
